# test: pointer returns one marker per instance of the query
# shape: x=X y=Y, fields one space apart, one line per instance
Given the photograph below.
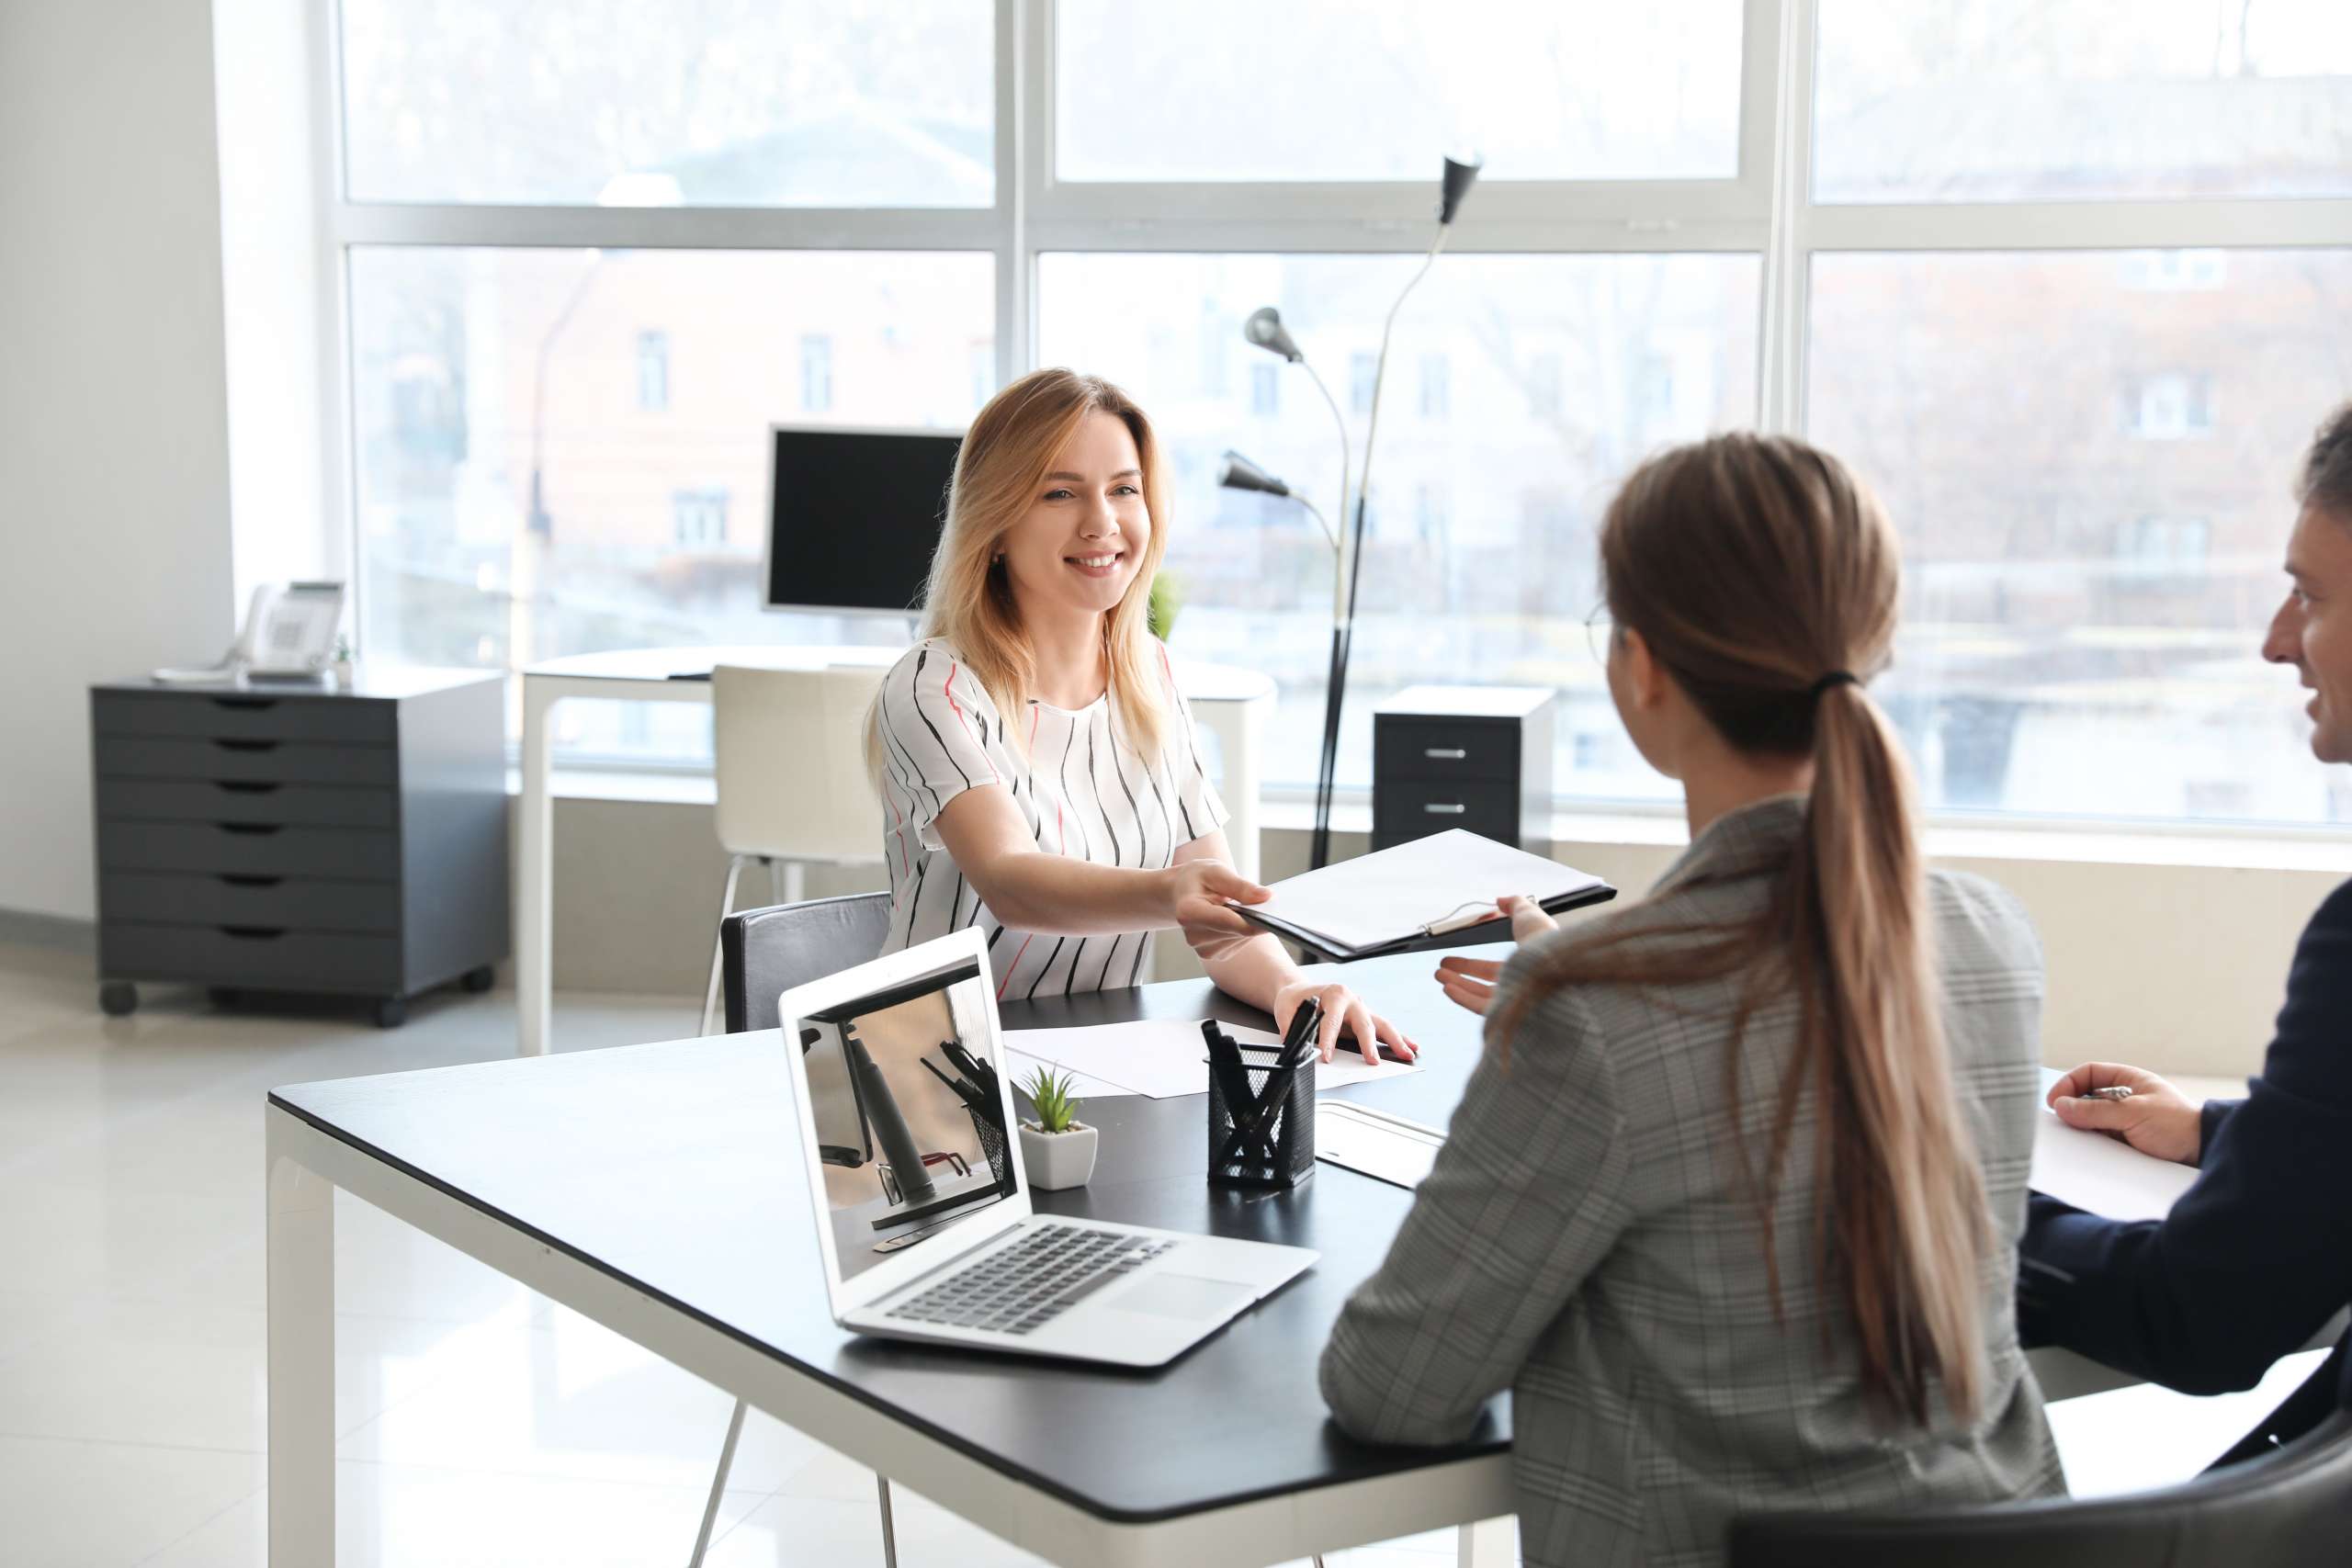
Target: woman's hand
x=1197 y=892
x=1470 y=981
x=2157 y=1120
x=1342 y=1009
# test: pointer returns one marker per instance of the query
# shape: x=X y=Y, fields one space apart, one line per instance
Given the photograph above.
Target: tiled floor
x=480 y=1424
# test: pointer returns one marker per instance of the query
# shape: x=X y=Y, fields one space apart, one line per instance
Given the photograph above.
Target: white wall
x=277 y=294
x=114 y=462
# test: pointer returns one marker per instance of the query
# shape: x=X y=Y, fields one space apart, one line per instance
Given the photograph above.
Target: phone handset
x=288 y=634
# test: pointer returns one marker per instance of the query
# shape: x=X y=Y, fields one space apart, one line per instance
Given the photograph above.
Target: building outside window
x=2171 y=407
x=654 y=372
x=1265 y=390
x=1364 y=376
x=817 y=373
x=698 y=518
x=1437 y=387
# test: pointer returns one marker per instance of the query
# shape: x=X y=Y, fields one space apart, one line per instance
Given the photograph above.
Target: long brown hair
x=1754 y=568
x=969 y=601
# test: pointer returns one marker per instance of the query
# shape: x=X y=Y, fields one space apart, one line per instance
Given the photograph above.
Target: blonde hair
x=1754 y=567
x=969 y=603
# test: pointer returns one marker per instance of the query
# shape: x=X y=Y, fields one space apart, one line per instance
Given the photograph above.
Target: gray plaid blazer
x=1585 y=1240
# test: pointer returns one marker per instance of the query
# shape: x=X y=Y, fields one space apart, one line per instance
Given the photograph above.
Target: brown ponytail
x=1764 y=577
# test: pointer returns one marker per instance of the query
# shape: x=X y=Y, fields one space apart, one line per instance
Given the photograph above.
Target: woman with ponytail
x=1038 y=771
x=1732 y=1199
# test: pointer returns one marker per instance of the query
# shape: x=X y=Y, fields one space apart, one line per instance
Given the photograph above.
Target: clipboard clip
x=1454 y=920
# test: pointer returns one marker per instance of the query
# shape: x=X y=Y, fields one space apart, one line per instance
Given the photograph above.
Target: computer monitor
x=853 y=516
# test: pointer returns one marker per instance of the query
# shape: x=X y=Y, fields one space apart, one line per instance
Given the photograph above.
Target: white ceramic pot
x=1055 y=1160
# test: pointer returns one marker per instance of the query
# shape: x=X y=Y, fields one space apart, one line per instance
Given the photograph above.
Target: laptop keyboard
x=1018 y=1288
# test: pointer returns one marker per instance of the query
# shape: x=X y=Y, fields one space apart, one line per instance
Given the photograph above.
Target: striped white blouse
x=1084 y=791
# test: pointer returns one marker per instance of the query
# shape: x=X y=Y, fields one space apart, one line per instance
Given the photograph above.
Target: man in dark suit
x=2256 y=1257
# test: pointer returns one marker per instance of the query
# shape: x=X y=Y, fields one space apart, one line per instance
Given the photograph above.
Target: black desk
x=624 y=1182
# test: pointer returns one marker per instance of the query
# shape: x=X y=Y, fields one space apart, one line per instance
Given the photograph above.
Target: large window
x=2066 y=279
x=1478 y=559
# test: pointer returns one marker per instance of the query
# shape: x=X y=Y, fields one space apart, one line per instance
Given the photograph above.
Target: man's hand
x=2157 y=1120
x=1470 y=981
x=1197 y=893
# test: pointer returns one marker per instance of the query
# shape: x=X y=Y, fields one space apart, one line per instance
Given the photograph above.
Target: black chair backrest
x=765 y=953
x=2289 y=1509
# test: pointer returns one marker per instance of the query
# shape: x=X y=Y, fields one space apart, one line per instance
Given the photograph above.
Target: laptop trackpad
x=1186 y=1296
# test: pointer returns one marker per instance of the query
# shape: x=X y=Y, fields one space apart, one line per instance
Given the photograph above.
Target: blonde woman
x=1732 y=1202
x=1038 y=769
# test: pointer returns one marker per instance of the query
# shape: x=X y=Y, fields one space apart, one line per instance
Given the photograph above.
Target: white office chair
x=792 y=781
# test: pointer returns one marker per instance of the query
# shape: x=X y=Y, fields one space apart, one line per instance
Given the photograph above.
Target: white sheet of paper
x=2100 y=1176
x=1164 y=1058
x=1024 y=1068
x=1393 y=893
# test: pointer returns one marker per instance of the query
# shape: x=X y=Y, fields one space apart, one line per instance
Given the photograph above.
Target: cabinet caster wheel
x=118 y=999
x=479 y=980
x=391 y=1012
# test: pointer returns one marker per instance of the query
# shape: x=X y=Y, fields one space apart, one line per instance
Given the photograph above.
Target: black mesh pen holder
x=1268 y=1143
x=993 y=1149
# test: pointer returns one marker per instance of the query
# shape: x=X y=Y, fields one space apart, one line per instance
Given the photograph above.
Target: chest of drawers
x=1471 y=757
x=348 y=842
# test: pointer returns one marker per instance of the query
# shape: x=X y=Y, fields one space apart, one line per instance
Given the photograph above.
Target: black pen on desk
x=1301 y=1033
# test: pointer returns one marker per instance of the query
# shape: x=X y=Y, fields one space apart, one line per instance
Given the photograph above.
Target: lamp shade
x=1460 y=175
x=1238 y=472
x=1265 y=329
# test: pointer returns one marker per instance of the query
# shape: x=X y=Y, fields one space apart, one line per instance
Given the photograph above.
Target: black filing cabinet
x=1474 y=757
x=347 y=839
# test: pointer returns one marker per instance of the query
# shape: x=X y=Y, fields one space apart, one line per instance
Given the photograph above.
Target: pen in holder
x=1261 y=1108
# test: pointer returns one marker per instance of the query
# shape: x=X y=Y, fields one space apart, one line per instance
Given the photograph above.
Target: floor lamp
x=1264 y=330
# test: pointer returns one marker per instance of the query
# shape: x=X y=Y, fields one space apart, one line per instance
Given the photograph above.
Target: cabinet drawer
x=255 y=762
x=242 y=716
x=1405 y=809
x=1443 y=748
x=222 y=800
x=245 y=900
x=249 y=850
x=261 y=957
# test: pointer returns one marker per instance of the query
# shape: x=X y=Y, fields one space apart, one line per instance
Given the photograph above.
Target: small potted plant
x=1056 y=1149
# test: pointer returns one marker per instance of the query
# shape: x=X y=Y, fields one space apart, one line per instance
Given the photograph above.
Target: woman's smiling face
x=1078 y=546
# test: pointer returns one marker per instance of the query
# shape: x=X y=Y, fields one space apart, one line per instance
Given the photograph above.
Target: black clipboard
x=1434 y=937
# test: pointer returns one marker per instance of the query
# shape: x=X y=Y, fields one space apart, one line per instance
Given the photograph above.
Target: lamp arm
x=1372 y=431
x=1340 y=569
x=1320 y=521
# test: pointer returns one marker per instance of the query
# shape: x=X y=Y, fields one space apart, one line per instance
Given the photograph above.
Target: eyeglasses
x=1600 y=631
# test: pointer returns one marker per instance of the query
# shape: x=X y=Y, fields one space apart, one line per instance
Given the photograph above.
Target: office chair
x=2290 y=1509
x=789 y=749
x=765 y=952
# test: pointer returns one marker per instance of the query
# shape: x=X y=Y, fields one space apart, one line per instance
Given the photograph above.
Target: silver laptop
x=907 y=1119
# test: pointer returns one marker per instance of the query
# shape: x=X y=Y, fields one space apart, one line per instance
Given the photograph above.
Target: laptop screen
x=902 y=1089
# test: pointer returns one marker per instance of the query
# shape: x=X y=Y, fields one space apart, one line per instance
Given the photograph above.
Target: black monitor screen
x=853 y=516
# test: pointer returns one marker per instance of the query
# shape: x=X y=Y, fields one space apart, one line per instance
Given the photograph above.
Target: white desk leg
x=535 y=875
x=1490 y=1543
x=1240 y=730
x=302 y=1365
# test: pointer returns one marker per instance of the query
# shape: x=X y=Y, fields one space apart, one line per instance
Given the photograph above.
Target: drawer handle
x=257 y=830
x=1440 y=808
x=244 y=787
x=247 y=745
x=246 y=879
x=250 y=703
x=254 y=933
x=1444 y=754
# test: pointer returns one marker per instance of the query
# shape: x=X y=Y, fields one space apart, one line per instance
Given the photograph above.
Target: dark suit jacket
x=2256 y=1257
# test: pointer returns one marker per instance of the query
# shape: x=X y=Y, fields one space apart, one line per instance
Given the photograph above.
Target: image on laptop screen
x=902 y=1086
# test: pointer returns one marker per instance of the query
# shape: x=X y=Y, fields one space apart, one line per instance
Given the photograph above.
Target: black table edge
x=1406 y=1460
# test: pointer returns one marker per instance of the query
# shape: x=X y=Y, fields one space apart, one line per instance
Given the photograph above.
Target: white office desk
x=1231 y=703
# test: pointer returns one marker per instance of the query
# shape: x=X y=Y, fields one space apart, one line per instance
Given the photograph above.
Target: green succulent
x=1057 y=1110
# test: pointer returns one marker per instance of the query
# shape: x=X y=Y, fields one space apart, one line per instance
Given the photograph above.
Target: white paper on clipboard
x=1387 y=1147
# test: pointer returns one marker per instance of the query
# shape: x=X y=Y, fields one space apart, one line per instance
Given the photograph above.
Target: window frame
x=1766 y=209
